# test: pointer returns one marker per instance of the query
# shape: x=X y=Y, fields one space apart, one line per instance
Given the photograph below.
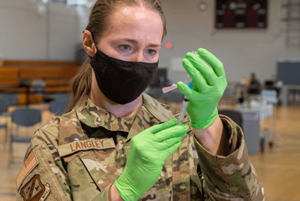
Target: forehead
x=135 y=21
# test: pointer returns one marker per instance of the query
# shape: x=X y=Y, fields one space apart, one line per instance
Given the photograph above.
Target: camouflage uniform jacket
x=77 y=156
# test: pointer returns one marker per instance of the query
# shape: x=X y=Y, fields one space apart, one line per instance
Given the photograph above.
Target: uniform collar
x=94 y=116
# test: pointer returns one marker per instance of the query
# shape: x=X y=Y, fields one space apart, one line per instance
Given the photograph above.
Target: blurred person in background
x=117 y=143
x=254 y=87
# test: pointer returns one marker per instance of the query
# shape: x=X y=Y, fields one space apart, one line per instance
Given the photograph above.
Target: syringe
x=185 y=99
x=184 y=102
x=184 y=106
x=183 y=110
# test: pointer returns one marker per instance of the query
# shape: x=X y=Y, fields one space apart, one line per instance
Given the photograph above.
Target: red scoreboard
x=241 y=14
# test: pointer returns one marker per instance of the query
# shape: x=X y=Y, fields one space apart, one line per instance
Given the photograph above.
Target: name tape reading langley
x=87 y=144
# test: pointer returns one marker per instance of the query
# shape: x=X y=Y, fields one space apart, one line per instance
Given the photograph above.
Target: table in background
x=252 y=122
x=285 y=93
x=251 y=128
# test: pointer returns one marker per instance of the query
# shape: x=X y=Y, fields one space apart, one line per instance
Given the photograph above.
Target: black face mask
x=122 y=81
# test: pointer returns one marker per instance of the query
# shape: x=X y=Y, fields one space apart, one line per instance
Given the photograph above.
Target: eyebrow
x=136 y=42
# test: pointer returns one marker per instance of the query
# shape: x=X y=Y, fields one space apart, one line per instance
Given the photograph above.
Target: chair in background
x=10 y=98
x=58 y=106
x=3 y=114
x=236 y=116
x=38 y=87
x=273 y=85
x=51 y=97
x=25 y=117
x=64 y=96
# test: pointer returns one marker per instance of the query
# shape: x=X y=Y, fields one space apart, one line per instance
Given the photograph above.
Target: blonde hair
x=98 y=24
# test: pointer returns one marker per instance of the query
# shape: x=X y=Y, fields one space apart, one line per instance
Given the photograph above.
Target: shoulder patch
x=34 y=190
x=29 y=164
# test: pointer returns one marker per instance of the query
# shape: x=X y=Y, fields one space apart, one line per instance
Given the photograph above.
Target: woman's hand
x=209 y=86
x=147 y=154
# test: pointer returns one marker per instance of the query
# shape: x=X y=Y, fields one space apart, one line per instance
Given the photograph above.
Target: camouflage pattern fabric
x=81 y=153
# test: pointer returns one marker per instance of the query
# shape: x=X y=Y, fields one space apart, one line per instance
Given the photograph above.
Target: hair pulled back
x=98 y=24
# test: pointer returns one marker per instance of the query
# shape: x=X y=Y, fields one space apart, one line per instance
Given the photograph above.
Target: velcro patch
x=75 y=146
x=34 y=190
x=29 y=164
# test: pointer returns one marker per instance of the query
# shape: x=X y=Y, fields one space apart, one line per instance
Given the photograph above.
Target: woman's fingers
x=207 y=72
x=168 y=143
x=183 y=88
x=213 y=61
x=160 y=127
x=169 y=133
x=167 y=151
x=198 y=78
x=173 y=148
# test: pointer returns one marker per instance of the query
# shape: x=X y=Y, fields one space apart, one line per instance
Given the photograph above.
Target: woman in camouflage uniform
x=116 y=143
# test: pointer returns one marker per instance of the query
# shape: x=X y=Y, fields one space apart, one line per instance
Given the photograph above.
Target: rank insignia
x=34 y=190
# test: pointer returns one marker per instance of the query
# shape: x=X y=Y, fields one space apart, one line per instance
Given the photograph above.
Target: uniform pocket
x=101 y=173
x=81 y=183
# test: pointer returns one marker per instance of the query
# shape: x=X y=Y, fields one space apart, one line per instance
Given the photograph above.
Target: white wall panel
x=29 y=32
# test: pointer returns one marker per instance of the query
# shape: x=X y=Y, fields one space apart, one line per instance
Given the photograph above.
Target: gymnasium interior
x=258 y=42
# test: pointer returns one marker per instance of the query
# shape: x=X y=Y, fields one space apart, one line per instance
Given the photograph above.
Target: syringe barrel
x=183 y=110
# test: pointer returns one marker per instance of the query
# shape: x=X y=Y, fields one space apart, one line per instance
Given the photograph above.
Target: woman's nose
x=139 y=57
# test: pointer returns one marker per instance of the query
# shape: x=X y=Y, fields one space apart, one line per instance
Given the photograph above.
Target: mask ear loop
x=94 y=41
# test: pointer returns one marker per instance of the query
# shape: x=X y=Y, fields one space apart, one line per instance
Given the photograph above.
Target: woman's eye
x=124 y=47
x=152 y=52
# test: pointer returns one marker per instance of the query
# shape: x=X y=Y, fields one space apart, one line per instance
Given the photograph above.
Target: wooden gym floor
x=278 y=168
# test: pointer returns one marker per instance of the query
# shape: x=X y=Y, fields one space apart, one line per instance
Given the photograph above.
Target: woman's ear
x=88 y=43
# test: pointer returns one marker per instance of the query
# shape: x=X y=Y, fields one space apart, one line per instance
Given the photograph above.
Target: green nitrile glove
x=147 y=154
x=209 y=86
